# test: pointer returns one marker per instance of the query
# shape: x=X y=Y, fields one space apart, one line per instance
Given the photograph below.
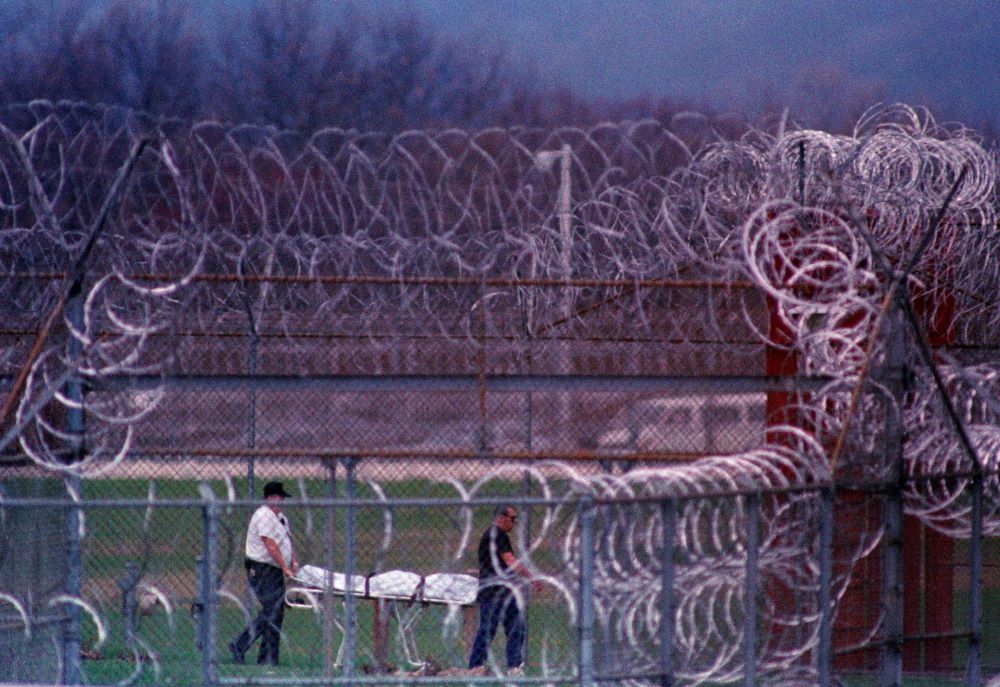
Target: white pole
x=565 y=219
x=564 y=433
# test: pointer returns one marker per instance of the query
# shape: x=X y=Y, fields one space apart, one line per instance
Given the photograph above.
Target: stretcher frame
x=402 y=593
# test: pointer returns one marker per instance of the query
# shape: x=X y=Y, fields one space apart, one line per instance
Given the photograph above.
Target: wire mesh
x=33 y=567
x=191 y=307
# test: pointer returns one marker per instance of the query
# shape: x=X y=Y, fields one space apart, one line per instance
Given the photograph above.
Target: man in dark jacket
x=496 y=598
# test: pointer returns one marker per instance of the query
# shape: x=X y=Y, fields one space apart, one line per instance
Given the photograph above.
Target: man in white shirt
x=270 y=558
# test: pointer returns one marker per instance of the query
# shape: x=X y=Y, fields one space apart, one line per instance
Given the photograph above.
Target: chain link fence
x=742 y=394
x=752 y=581
x=147 y=614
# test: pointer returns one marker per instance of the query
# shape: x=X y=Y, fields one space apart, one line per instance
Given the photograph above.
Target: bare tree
x=290 y=65
x=457 y=83
x=281 y=63
x=155 y=55
x=39 y=44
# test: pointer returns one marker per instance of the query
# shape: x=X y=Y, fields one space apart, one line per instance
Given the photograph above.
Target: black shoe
x=239 y=657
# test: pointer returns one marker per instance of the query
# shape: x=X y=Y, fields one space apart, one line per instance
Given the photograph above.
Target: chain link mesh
x=191 y=310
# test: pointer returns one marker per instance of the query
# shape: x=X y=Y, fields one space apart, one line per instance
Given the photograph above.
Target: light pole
x=544 y=160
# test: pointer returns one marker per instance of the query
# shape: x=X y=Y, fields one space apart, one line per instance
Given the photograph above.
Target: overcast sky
x=945 y=52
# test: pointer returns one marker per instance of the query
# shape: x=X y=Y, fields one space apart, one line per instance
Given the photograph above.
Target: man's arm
x=514 y=565
x=518 y=567
x=275 y=552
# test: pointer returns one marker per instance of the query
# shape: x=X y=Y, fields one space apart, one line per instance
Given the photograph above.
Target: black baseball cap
x=275 y=489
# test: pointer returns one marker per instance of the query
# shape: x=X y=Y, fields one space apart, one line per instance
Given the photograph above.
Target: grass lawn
x=302 y=650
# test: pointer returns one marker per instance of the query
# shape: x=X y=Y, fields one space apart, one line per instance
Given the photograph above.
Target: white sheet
x=451 y=588
x=440 y=588
x=316 y=577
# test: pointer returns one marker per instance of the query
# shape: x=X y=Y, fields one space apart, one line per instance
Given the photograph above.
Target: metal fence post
x=892 y=511
x=586 y=665
x=252 y=411
x=72 y=670
x=529 y=420
x=249 y=598
x=973 y=672
x=824 y=660
x=529 y=430
x=198 y=608
x=484 y=433
x=253 y=339
x=892 y=590
x=75 y=427
x=209 y=659
x=750 y=591
x=668 y=518
x=129 y=603
x=525 y=536
x=329 y=562
x=350 y=600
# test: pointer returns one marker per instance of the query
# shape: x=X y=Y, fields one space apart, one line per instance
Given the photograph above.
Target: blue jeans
x=495 y=605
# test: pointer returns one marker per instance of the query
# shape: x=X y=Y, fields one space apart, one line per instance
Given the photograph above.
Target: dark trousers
x=496 y=605
x=268 y=584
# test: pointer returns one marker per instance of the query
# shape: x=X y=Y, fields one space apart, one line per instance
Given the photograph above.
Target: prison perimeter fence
x=742 y=395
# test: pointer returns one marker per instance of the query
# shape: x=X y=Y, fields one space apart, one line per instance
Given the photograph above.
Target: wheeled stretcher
x=404 y=594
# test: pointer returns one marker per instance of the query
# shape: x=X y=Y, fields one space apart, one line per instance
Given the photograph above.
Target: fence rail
x=747 y=417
